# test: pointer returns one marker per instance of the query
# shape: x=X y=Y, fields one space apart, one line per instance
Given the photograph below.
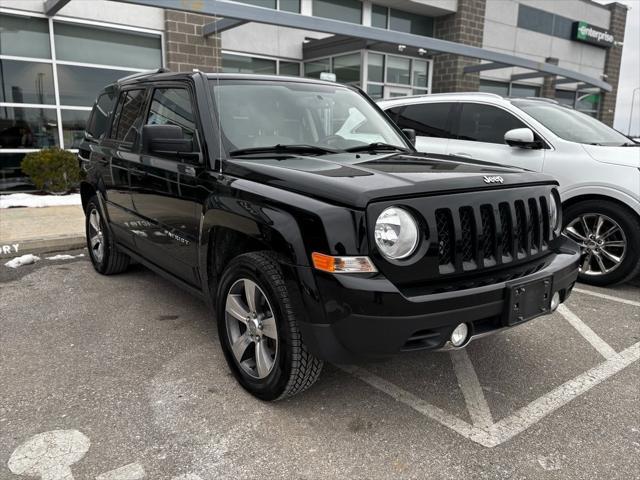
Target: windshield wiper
x=283 y=149
x=630 y=144
x=376 y=146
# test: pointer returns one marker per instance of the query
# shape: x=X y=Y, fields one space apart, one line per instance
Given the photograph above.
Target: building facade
x=52 y=67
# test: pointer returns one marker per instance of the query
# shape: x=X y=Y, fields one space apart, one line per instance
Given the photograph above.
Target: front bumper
x=370 y=318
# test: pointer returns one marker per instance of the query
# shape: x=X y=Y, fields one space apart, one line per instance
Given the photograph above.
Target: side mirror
x=166 y=140
x=410 y=133
x=521 y=137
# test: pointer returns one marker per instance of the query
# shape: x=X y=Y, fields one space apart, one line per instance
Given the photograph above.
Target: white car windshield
x=571 y=125
x=262 y=114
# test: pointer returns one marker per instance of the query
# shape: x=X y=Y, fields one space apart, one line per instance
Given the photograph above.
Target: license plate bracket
x=527 y=300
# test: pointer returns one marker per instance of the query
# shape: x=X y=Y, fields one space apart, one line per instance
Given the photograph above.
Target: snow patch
x=37 y=201
x=27 y=259
x=65 y=257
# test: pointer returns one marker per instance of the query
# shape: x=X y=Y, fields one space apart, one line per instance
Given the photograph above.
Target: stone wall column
x=465 y=26
x=549 y=82
x=185 y=47
x=612 y=62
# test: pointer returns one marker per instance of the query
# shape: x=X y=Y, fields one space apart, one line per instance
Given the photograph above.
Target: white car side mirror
x=521 y=137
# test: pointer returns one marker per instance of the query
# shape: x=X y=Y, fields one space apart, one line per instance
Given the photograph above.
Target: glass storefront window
x=290 y=5
x=79 y=86
x=410 y=23
x=375 y=91
x=566 y=97
x=241 y=64
x=23 y=36
x=26 y=82
x=11 y=177
x=80 y=43
x=524 y=91
x=588 y=103
x=398 y=70
x=499 y=88
x=28 y=127
x=344 y=10
x=420 y=73
x=419 y=91
x=347 y=68
x=74 y=123
x=376 y=67
x=379 y=16
x=290 y=68
x=314 y=68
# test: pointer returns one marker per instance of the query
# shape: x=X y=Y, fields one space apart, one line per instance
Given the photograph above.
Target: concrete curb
x=56 y=244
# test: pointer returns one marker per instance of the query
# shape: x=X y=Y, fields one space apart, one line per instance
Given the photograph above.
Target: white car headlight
x=396 y=233
x=554 y=213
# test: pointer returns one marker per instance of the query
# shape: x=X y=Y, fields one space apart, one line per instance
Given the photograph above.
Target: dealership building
x=55 y=55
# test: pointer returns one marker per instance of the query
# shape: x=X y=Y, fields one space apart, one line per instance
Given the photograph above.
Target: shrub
x=52 y=169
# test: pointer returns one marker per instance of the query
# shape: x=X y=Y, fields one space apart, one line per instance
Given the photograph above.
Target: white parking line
x=471 y=390
x=589 y=335
x=607 y=297
x=549 y=403
x=484 y=431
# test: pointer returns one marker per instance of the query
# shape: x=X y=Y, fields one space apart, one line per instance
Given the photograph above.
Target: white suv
x=597 y=167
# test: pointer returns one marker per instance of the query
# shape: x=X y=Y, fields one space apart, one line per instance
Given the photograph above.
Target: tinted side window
x=100 y=115
x=428 y=120
x=484 y=123
x=127 y=118
x=172 y=106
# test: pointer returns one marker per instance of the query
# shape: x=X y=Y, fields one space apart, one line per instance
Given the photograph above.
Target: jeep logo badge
x=493 y=179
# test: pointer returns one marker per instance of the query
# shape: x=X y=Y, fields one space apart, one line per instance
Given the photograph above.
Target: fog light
x=459 y=335
x=555 y=301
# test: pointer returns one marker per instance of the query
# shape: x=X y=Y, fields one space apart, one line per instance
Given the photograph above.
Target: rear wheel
x=608 y=235
x=105 y=257
x=258 y=330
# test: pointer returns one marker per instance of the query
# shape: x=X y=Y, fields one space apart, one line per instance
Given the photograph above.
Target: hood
x=357 y=179
x=625 y=156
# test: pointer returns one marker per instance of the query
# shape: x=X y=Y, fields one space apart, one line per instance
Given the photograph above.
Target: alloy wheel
x=251 y=328
x=602 y=241
x=96 y=237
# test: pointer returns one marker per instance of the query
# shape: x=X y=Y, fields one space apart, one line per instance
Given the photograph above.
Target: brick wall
x=465 y=26
x=612 y=62
x=185 y=46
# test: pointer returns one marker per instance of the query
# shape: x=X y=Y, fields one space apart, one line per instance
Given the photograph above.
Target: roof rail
x=539 y=99
x=142 y=74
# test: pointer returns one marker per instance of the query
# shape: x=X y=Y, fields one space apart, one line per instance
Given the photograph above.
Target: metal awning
x=232 y=12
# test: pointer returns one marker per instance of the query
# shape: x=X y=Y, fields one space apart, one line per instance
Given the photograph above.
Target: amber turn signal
x=331 y=264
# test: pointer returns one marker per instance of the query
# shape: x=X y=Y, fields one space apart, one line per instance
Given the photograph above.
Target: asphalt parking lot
x=122 y=378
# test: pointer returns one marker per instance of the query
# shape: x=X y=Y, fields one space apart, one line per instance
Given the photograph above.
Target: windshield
x=572 y=125
x=263 y=114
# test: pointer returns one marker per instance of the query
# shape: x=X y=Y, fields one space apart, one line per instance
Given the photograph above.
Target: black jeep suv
x=308 y=221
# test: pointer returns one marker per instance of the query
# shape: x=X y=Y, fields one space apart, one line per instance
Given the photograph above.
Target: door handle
x=139 y=173
x=101 y=159
x=463 y=154
x=187 y=169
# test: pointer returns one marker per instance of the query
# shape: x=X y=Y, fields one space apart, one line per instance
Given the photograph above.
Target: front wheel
x=608 y=235
x=258 y=330
x=105 y=256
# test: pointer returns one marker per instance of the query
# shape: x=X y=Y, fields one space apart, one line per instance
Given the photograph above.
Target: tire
x=287 y=367
x=105 y=256
x=606 y=244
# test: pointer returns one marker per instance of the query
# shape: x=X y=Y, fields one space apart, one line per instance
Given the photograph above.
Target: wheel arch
x=87 y=190
x=598 y=197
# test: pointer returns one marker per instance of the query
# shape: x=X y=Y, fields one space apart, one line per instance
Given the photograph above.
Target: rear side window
x=172 y=106
x=98 y=122
x=485 y=123
x=428 y=120
x=127 y=119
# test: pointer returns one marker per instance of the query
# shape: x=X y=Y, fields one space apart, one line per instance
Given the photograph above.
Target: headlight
x=554 y=213
x=396 y=233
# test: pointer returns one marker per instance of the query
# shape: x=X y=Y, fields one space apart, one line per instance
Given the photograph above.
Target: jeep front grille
x=477 y=237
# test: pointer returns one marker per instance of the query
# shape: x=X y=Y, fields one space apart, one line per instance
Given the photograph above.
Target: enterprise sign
x=583 y=32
